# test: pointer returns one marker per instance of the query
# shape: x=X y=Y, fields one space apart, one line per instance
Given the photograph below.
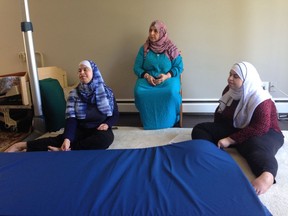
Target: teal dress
x=159 y=106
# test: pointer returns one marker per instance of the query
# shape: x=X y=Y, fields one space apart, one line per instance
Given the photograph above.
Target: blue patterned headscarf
x=96 y=91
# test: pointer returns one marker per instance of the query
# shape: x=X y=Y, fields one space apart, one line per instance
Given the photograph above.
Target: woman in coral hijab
x=158 y=66
x=246 y=119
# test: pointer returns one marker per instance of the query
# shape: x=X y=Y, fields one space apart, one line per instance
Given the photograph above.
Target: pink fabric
x=164 y=44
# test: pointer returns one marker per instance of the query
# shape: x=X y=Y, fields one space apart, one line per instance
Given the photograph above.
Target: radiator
x=198 y=105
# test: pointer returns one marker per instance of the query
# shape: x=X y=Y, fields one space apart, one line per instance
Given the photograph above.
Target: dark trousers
x=86 y=139
x=259 y=151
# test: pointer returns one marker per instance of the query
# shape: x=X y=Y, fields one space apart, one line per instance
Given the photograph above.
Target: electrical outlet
x=266 y=85
x=272 y=87
x=22 y=56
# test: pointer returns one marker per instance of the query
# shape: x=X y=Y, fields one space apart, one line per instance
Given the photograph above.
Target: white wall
x=211 y=34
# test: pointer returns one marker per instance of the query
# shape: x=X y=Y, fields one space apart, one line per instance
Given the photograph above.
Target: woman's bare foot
x=17 y=147
x=262 y=183
x=52 y=148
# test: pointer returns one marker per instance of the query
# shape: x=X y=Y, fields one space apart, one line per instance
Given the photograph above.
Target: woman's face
x=85 y=74
x=234 y=81
x=153 y=34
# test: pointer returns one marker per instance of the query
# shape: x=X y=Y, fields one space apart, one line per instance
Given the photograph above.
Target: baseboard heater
x=282 y=108
x=200 y=105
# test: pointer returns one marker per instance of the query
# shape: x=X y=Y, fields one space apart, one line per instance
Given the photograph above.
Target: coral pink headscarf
x=164 y=44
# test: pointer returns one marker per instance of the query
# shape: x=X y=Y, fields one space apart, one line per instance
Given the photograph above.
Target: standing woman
x=91 y=111
x=158 y=66
x=246 y=119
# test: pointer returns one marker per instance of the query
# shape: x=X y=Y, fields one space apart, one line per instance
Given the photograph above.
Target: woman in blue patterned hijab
x=91 y=111
x=92 y=90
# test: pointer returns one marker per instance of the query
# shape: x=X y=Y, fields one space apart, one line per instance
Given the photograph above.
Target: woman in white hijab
x=246 y=119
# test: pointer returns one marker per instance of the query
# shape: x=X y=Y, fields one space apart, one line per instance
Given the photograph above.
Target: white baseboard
x=198 y=105
x=281 y=104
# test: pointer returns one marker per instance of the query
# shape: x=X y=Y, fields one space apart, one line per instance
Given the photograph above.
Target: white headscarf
x=251 y=94
x=86 y=63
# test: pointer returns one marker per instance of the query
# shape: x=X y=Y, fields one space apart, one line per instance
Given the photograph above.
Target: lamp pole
x=27 y=29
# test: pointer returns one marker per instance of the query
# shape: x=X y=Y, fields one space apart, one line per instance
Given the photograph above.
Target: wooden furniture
x=55 y=73
x=21 y=90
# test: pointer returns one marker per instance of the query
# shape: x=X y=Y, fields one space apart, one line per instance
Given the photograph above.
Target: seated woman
x=91 y=111
x=158 y=66
x=246 y=119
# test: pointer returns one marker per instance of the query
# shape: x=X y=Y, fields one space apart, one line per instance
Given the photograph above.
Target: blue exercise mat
x=187 y=178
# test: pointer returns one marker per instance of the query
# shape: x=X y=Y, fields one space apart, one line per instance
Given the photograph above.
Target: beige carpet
x=276 y=199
